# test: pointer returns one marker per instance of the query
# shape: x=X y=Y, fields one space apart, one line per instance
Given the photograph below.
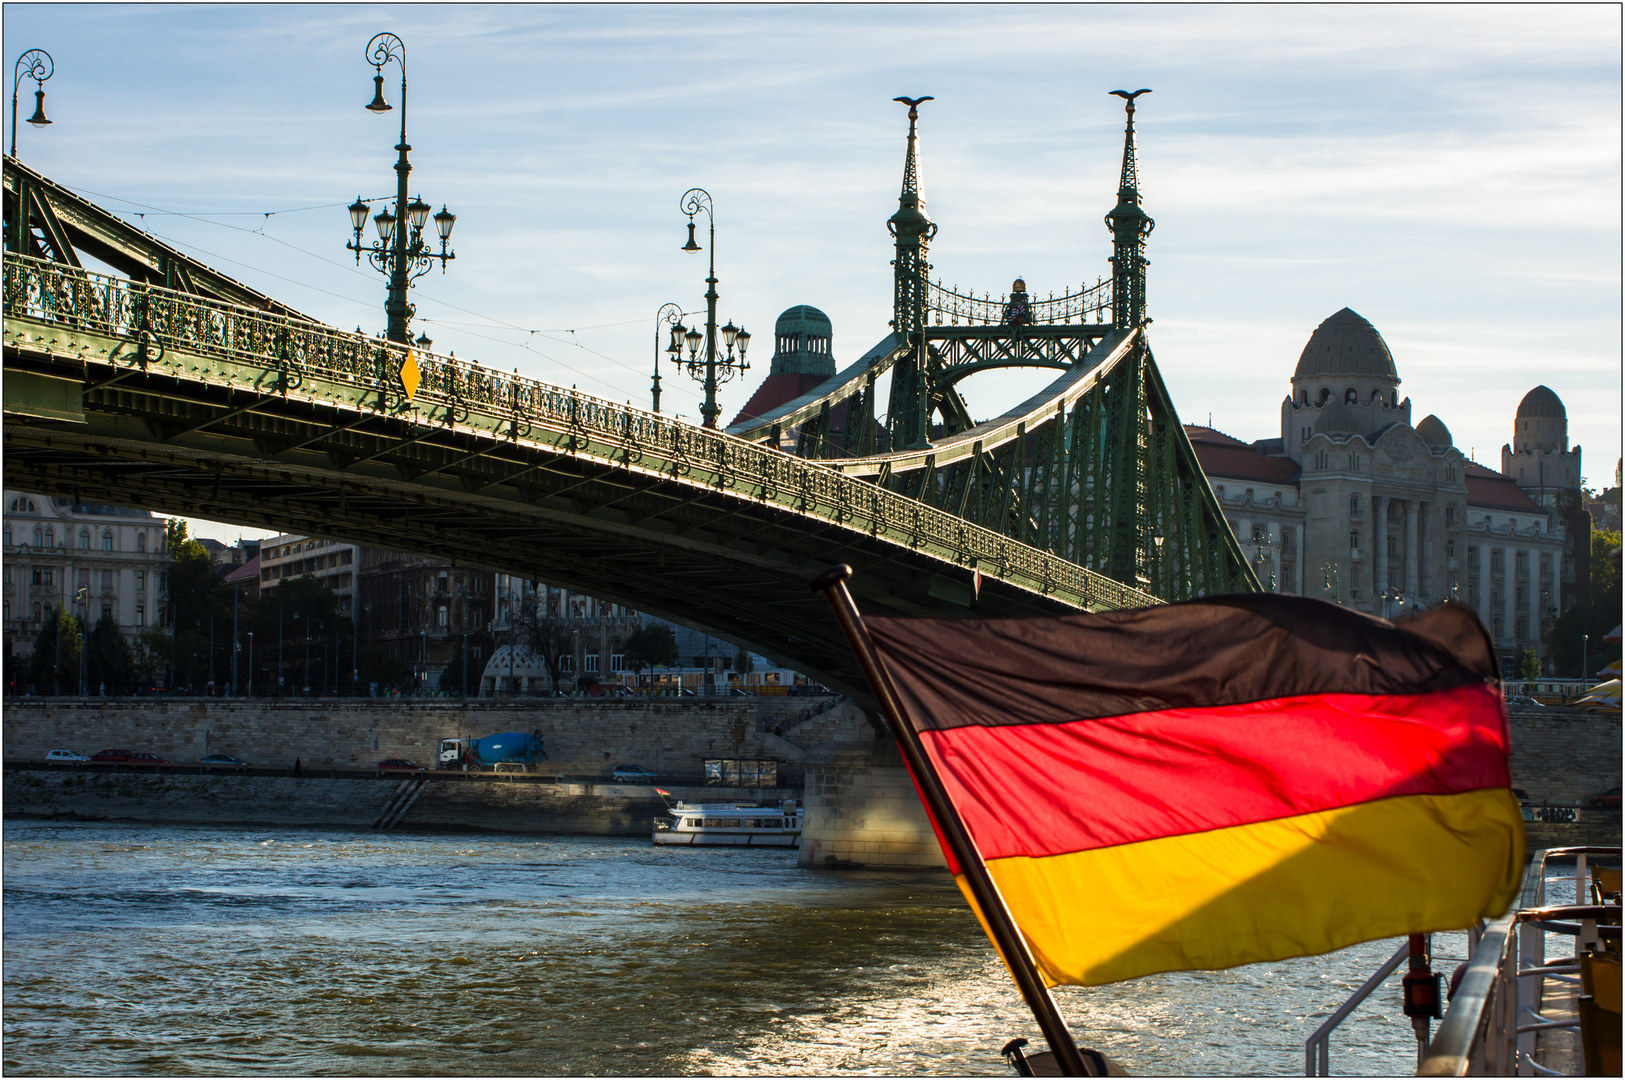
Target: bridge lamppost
x=669 y=315
x=717 y=369
x=34 y=64
x=400 y=253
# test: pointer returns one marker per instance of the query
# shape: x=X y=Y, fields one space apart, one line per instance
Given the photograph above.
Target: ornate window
x=84 y=540
x=107 y=540
x=141 y=541
x=1354 y=539
x=1351 y=396
x=1354 y=504
x=591 y=666
x=441 y=617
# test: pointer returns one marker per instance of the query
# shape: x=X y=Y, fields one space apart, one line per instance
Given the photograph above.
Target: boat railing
x=1495 y=1013
x=1318 y=1047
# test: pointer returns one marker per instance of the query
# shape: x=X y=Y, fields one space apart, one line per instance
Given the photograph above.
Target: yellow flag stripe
x=1295 y=886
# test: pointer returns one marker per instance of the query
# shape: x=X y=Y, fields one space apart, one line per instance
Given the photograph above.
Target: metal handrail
x=284 y=355
x=1317 y=1048
x=1480 y=1032
x=1473 y=1007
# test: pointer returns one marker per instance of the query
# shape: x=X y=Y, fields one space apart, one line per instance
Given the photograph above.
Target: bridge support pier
x=862 y=810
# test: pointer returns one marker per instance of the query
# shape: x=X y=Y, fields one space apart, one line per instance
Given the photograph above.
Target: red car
x=128 y=757
x=399 y=765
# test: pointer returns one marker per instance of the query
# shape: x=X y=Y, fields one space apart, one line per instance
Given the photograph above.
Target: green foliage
x=109 y=661
x=1529 y=665
x=451 y=678
x=1568 y=645
x=152 y=654
x=378 y=666
x=54 y=665
x=742 y=662
x=650 y=647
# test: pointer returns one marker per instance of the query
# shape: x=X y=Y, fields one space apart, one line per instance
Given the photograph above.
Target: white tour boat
x=733 y=824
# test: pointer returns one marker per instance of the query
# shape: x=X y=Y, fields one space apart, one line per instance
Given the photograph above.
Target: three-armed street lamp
x=717 y=369
x=400 y=252
x=669 y=315
x=36 y=64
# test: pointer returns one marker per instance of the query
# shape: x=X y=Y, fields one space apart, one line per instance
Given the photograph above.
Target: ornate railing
x=182 y=335
x=1091 y=303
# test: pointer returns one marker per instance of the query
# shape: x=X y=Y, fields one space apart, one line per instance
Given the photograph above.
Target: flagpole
x=1006 y=936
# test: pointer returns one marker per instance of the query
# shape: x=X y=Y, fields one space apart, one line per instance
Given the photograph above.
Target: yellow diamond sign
x=410 y=375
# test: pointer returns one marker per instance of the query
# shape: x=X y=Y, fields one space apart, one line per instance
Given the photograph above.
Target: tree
x=108 y=660
x=1567 y=645
x=650 y=647
x=378 y=666
x=1529 y=665
x=547 y=636
x=451 y=678
x=152 y=654
x=742 y=662
x=56 y=653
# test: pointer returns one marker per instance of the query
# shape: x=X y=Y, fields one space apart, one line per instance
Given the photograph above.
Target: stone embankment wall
x=862 y=808
x=484 y=805
x=584 y=738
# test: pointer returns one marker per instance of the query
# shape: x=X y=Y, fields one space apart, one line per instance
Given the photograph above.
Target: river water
x=150 y=949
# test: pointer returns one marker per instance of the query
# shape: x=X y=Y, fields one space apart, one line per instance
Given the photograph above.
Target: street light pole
x=236 y=597
x=717 y=369
x=251 y=664
x=669 y=315
x=401 y=256
x=34 y=64
x=281 y=679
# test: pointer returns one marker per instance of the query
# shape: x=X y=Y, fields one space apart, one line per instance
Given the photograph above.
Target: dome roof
x=803 y=319
x=1541 y=402
x=1335 y=417
x=1346 y=344
x=1433 y=431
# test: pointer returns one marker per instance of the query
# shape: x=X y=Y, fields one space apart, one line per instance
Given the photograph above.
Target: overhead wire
x=490 y=320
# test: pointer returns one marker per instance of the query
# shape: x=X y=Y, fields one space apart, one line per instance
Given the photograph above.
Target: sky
x=1450 y=172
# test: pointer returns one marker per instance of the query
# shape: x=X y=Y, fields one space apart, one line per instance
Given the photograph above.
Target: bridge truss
x=180 y=390
x=1096 y=468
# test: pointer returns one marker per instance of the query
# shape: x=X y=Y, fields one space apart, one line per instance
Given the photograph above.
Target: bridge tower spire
x=1129 y=225
x=909 y=415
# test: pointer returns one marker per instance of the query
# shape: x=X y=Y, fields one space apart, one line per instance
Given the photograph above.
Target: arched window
x=84 y=540
x=1351 y=396
x=442 y=616
x=141 y=541
x=50 y=537
x=107 y=540
x=37 y=536
x=1325 y=394
x=1376 y=397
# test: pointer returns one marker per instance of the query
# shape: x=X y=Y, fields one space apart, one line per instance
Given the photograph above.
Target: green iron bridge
x=175 y=388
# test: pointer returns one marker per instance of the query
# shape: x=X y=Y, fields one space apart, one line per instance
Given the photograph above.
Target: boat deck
x=1559 y=1049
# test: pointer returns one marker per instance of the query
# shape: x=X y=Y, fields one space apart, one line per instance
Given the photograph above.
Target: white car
x=636 y=774
x=65 y=757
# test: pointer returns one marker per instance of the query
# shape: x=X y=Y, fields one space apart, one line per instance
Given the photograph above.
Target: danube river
x=144 y=949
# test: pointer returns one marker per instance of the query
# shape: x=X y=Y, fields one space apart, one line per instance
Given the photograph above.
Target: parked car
x=65 y=757
x=399 y=765
x=140 y=758
x=1524 y=701
x=223 y=761
x=635 y=774
x=112 y=757
x=1608 y=799
x=611 y=690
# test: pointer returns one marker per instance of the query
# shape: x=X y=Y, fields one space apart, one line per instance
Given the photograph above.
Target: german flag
x=1220 y=782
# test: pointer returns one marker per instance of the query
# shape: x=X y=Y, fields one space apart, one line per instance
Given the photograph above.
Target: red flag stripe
x=1047 y=789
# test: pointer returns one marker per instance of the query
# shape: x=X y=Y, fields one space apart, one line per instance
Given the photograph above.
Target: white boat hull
x=725 y=838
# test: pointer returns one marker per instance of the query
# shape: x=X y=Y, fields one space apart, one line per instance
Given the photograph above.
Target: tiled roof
x=249 y=571
x=775 y=391
x=1488 y=488
x=1231 y=459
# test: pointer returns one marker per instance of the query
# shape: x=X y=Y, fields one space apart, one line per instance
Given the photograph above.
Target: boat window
x=730 y=823
x=693 y=823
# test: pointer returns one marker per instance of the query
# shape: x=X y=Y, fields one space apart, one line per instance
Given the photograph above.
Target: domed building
x=1539 y=459
x=803 y=357
x=1353 y=504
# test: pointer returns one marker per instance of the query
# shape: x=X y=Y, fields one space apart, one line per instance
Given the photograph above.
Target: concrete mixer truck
x=507 y=748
